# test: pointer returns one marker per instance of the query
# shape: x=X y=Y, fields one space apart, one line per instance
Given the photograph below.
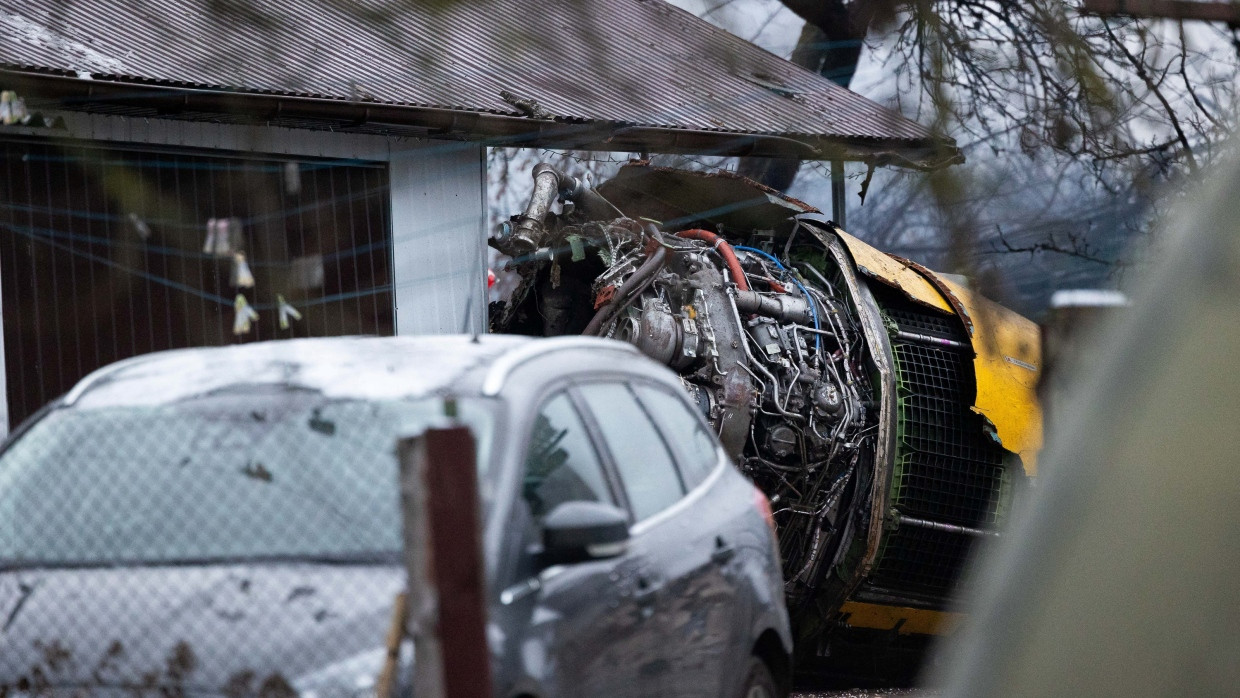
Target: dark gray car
x=226 y=522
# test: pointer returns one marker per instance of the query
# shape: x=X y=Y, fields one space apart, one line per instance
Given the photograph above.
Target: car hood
x=235 y=630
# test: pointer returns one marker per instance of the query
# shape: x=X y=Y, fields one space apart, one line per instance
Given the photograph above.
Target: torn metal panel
x=1007 y=365
x=895 y=272
x=885 y=445
x=688 y=199
x=938 y=280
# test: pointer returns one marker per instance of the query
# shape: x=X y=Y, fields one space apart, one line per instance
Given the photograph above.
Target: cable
x=636 y=284
x=813 y=307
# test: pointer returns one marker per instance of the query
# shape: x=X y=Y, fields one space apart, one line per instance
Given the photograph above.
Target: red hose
x=734 y=264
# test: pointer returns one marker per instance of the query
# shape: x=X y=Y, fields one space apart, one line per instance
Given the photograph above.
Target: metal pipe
x=757 y=364
x=796 y=344
x=810 y=330
x=817 y=273
x=927 y=339
x=725 y=250
x=550 y=183
x=950 y=528
x=780 y=307
x=791 y=277
x=791 y=382
x=588 y=200
x=530 y=227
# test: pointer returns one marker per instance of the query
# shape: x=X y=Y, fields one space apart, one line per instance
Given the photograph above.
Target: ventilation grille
x=921 y=563
x=934 y=325
x=946 y=470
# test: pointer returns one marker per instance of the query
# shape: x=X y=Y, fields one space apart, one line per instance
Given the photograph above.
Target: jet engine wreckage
x=887 y=412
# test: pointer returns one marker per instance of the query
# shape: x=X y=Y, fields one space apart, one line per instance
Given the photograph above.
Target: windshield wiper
x=25 y=590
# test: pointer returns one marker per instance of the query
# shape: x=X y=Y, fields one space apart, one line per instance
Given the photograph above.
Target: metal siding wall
x=439 y=238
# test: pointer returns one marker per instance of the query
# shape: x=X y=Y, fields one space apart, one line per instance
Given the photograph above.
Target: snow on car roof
x=344 y=367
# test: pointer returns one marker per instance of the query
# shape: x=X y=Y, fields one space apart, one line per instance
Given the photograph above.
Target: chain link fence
x=247 y=542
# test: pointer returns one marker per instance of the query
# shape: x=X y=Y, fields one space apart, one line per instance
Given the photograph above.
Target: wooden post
x=443 y=555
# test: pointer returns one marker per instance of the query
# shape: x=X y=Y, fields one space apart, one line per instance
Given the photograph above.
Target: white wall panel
x=438 y=227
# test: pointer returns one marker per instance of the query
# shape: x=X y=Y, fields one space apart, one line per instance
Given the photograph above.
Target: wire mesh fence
x=247 y=542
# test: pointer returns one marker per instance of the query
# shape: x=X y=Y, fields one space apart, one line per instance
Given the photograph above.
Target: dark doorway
x=107 y=253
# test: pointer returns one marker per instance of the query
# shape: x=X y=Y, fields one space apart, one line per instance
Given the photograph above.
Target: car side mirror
x=580 y=531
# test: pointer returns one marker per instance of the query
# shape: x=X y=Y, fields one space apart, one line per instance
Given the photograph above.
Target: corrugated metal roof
x=637 y=63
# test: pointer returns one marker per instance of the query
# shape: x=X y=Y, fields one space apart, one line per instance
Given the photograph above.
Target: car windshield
x=250 y=473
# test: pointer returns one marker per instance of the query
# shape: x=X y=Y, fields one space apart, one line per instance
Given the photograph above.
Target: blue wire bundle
x=813 y=307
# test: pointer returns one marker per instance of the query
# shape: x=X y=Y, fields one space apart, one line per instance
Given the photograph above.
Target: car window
x=561 y=464
x=245 y=473
x=694 y=446
x=646 y=468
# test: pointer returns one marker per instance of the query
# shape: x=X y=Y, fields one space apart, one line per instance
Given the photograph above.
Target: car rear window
x=247 y=474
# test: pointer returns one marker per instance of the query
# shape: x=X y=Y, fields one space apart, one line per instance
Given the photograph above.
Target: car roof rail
x=509 y=361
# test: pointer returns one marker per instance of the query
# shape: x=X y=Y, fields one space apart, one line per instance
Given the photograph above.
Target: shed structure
x=174 y=168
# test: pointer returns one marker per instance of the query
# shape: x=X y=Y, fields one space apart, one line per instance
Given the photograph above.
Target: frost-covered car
x=226 y=522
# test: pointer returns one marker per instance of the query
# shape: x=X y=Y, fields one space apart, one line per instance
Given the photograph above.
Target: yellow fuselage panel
x=1007 y=365
x=1007 y=346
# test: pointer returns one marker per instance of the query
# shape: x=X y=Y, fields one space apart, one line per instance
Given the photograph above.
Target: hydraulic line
x=734 y=264
x=758 y=364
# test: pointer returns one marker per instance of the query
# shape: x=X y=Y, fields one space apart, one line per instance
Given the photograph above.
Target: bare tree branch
x=1074 y=246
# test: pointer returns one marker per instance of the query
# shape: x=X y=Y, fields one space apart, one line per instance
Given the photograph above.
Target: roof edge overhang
x=73 y=93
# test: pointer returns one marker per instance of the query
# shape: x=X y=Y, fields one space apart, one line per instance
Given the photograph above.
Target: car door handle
x=722 y=552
